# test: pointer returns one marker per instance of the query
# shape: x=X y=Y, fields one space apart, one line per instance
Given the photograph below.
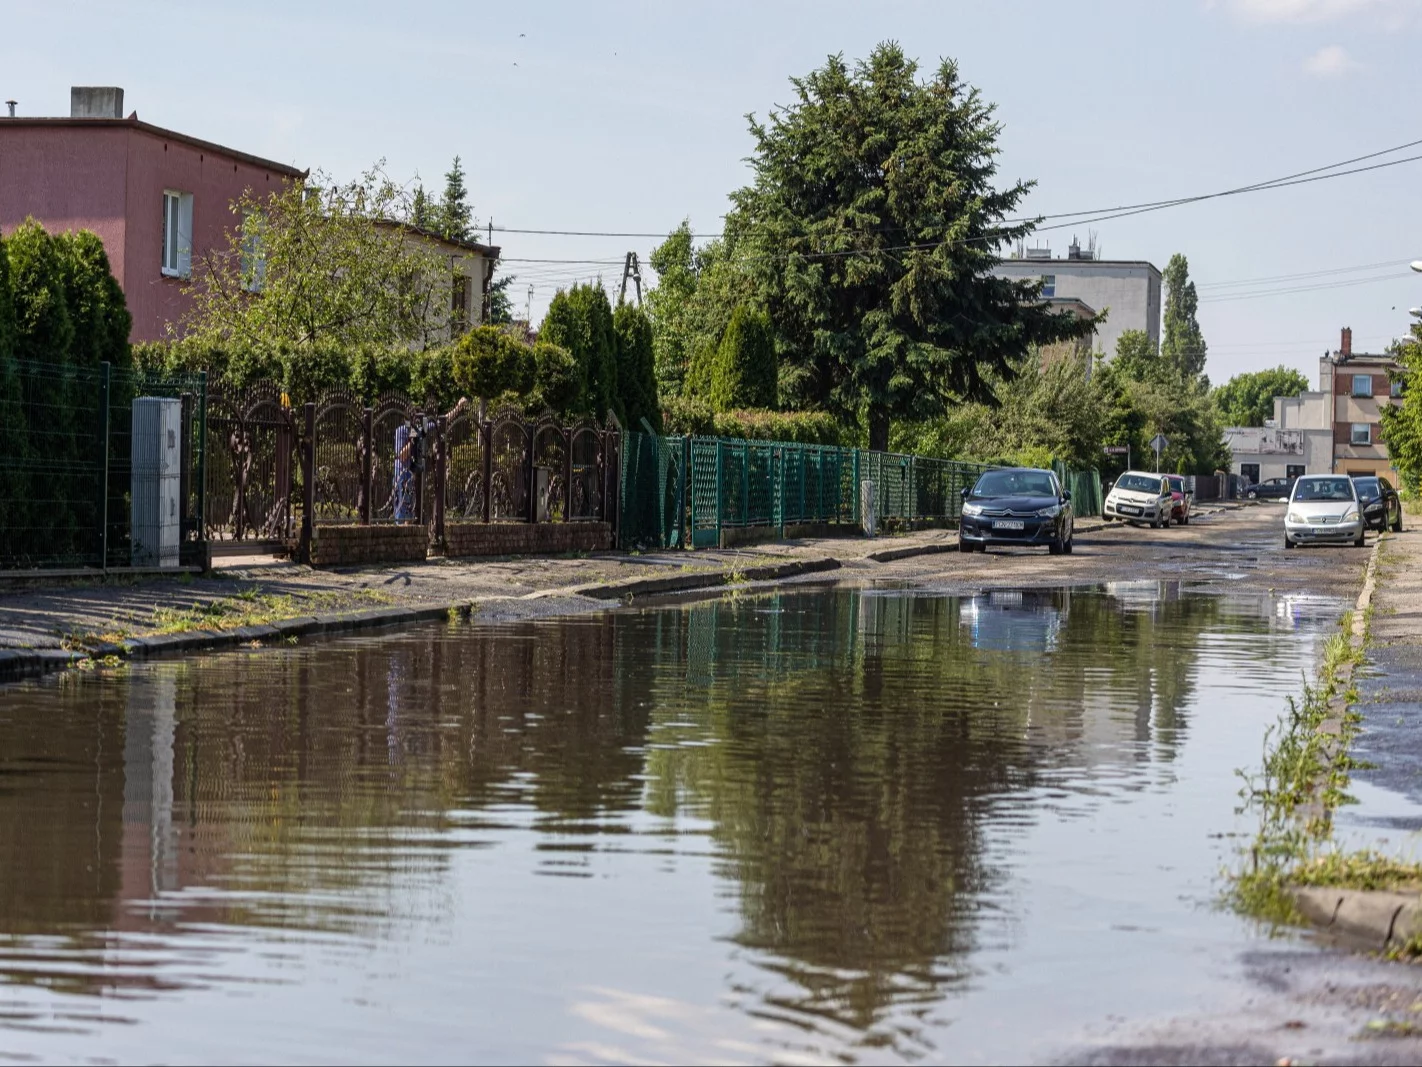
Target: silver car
x=1323 y=509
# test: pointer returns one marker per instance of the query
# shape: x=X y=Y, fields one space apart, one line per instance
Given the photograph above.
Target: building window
x=1362 y=385
x=1395 y=388
x=1250 y=472
x=1049 y=285
x=1294 y=470
x=177 y=233
x=459 y=305
x=1362 y=434
x=254 y=257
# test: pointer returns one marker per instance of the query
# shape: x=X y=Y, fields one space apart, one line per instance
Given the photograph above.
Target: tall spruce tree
x=1181 y=342
x=422 y=212
x=97 y=309
x=580 y=320
x=455 y=218
x=871 y=230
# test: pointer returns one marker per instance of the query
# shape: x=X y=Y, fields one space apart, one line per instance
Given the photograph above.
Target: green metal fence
x=65 y=462
x=685 y=491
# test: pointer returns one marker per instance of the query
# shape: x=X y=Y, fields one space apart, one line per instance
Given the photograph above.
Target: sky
x=629 y=117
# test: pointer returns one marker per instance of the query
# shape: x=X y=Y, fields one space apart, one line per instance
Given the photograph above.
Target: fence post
x=486 y=440
x=439 y=480
x=308 y=483
x=570 y=434
x=202 y=463
x=185 y=459
x=104 y=477
x=530 y=436
x=720 y=488
x=367 y=465
x=420 y=472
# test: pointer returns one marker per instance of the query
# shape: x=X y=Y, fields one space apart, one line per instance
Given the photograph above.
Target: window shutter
x=184 y=262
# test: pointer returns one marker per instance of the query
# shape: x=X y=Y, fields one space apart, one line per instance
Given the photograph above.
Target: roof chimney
x=1345 y=347
x=12 y=104
x=95 y=102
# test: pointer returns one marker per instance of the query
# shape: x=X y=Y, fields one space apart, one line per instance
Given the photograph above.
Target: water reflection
x=846 y=763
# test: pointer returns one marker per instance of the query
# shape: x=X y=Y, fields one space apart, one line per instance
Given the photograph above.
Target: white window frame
x=177 y=251
x=1049 y=285
x=254 y=256
x=1367 y=433
x=1362 y=378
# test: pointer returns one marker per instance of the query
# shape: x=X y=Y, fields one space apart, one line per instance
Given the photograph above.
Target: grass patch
x=252 y=607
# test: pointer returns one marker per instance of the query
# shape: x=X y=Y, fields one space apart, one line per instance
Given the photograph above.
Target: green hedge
x=694 y=417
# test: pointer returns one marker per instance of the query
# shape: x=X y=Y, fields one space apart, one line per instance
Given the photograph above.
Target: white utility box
x=155 y=481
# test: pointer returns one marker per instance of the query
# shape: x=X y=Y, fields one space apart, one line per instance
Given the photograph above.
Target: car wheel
x=1185 y=519
x=1287 y=543
x=964 y=546
x=1067 y=547
x=1362 y=539
x=1397 y=523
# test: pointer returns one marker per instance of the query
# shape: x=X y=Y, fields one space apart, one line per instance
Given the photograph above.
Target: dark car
x=1382 y=509
x=1180 y=498
x=1016 y=506
x=1271 y=489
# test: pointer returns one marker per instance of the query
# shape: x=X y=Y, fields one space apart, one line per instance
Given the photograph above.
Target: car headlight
x=1351 y=515
x=1050 y=512
x=972 y=509
x=1295 y=516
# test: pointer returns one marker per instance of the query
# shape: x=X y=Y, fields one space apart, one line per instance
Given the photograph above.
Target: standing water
x=822 y=825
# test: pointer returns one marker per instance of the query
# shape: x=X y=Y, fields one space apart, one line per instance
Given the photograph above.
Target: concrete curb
x=686 y=583
x=16 y=664
x=1375 y=918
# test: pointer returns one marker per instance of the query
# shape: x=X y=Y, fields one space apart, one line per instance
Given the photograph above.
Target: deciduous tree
x=1181 y=341
x=1248 y=399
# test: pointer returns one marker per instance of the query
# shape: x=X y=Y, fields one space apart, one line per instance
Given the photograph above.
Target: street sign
x=1117 y=450
x=1159 y=443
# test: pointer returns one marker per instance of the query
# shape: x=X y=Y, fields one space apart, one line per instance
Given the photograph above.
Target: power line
x=1305 y=274
x=1302 y=177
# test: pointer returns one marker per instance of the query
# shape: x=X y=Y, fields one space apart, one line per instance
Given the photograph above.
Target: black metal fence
x=66 y=462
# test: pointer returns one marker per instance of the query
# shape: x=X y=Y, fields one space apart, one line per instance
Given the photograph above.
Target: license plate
x=1127 y=510
x=1007 y=524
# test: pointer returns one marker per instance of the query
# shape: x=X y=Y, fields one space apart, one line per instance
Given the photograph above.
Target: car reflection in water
x=1016 y=620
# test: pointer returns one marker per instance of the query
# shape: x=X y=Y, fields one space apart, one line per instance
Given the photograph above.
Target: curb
x=1379 y=919
x=684 y=583
x=16 y=664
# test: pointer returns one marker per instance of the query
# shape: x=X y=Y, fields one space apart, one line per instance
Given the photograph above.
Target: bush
x=490 y=364
x=695 y=417
x=744 y=374
x=636 y=369
x=555 y=379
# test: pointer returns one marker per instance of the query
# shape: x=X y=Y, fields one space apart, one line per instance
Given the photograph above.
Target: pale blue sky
x=612 y=116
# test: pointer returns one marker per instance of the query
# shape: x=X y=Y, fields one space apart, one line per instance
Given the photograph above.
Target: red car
x=1179 y=499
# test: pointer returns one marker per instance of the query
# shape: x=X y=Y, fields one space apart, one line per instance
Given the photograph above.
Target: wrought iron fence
x=66 y=446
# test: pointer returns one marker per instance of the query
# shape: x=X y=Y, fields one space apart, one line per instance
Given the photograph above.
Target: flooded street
x=818 y=825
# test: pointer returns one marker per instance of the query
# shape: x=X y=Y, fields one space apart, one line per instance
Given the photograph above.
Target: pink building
x=158 y=199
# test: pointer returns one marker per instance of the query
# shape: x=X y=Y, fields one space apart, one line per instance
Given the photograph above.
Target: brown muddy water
x=817 y=826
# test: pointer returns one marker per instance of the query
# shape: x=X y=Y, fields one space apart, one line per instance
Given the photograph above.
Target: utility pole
x=528 y=308
x=631 y=269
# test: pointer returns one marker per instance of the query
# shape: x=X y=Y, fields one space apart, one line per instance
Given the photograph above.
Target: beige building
x=463 y=303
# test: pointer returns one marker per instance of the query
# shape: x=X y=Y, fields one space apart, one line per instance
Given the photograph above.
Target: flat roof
x=133 y=123
x=1081 y=263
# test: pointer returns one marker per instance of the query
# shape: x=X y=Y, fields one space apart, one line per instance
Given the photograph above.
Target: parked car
x=1271 y=489
x=1324 y=509
x=1140 y=497
x=1381 y=506
x=1180 y=499
x=1016 y=506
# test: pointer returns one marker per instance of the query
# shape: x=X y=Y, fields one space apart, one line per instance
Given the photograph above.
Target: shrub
x=744 y=374
x=695 y=417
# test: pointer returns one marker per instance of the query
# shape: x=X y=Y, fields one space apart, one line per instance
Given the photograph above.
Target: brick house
x=1358 y=386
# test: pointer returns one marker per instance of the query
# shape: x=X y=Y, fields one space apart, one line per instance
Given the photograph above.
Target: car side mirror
x=1066 y=494
x=967 y=493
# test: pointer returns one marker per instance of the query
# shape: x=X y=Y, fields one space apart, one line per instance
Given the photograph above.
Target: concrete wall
x=109 y=177
x=1130 y=291
x=1307 y=411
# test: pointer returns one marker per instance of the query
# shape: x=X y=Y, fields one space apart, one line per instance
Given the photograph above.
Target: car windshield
x=1015 y=483
x=1367 y=487
x=1139 y=483
x=1324 y=489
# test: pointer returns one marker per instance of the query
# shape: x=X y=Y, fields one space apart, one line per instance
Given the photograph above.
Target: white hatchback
x=1323 y=509
x=1139 y=497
